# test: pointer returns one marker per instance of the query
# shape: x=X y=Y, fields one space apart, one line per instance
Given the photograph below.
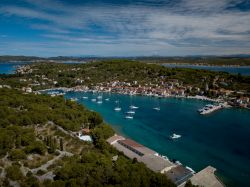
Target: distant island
x=237 y=60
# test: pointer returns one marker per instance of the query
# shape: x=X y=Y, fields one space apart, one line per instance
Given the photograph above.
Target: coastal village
x=171 y=88
x=174 y=170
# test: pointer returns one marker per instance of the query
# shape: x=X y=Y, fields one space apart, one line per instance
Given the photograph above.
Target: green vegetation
x=35 y=129
x=92 y=74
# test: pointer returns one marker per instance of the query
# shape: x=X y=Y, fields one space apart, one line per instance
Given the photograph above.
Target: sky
x=124 y=27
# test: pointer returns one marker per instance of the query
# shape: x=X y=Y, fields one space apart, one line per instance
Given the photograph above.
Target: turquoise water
x=221 y=139
x=8 y=68
x=243 y=70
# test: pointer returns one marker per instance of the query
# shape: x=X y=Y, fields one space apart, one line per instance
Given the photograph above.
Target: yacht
x=99 y=97
x=85 y=97
x=107 y=99
x=133 y=107
x=129 y=117
x=94 y=100
x=130 y=112
x=118 y=109
x=175 y=136
x=157 y=108
x=99 y=102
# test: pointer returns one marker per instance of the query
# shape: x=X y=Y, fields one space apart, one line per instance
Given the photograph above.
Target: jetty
x=212 y=108
x=175 y=171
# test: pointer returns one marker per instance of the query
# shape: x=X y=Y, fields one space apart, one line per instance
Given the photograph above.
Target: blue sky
x=124 y=27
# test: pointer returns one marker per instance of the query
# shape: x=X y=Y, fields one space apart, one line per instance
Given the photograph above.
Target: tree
x=61 y=144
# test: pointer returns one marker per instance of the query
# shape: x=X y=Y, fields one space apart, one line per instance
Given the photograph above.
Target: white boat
x=94 y=100
x=157 y=108
x=133 y=107
x=73 y=99
x=175 y=136
x=129 y=117
x=118 y=109
x=85 y=97
x=130 y=112
x=99 y=97
x=99 y=102
x=107 y=99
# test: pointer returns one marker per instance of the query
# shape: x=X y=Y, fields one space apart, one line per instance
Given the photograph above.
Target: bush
x=14 y=173
x=17 y=154
x=36 y=147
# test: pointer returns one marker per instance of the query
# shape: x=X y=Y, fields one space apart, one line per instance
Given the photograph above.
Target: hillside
x=39 y=146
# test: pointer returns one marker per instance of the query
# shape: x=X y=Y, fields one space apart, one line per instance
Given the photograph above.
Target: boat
x=133 y=107
x=130 y=112
x=129 y=117
x=118 y=109
x=99 y=102
x=99 y=97
x=73 y=99
x=85 y=97
x=94 y=100
x=107 y=99
x=175 y=136
x=157 y=108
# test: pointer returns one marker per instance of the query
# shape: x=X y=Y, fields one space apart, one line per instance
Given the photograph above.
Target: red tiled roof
x=131 y=143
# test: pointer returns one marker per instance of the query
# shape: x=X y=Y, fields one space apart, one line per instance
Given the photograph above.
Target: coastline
x=77 y=89
x=209 y=65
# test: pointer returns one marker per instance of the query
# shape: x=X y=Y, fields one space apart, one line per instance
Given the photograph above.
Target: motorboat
x=175 y=136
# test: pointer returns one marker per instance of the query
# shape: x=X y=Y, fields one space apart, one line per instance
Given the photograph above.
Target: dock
x=176 y=172
x=208 y=109
x=206 y=178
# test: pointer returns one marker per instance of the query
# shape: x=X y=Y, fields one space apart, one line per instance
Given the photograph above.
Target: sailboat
x=129 y=117
x=133 y=107
x=158 y=107
x=130 y=112
x=117 y=108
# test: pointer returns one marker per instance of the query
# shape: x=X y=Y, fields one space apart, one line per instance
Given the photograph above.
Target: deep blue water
x=9 y=68
x=243 y=70
x=221 y=139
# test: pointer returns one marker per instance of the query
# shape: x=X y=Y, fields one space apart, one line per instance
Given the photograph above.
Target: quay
x=212 y=108
x=176 y=172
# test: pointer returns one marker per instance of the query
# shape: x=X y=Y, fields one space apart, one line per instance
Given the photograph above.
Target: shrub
x=17 y=154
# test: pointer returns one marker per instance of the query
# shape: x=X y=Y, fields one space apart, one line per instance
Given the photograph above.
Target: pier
x=176 y=172
x=212 y=108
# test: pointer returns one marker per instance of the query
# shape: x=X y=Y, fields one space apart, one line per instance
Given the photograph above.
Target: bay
x=221 y=139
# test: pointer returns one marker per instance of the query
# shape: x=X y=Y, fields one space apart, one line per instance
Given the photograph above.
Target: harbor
x=175 y=171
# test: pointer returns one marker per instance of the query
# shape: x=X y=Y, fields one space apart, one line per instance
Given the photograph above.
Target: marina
x=200 y=135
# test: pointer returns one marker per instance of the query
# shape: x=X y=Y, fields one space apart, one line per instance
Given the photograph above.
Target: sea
x=9 y=67
x=243 y=70
x=220 y=139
